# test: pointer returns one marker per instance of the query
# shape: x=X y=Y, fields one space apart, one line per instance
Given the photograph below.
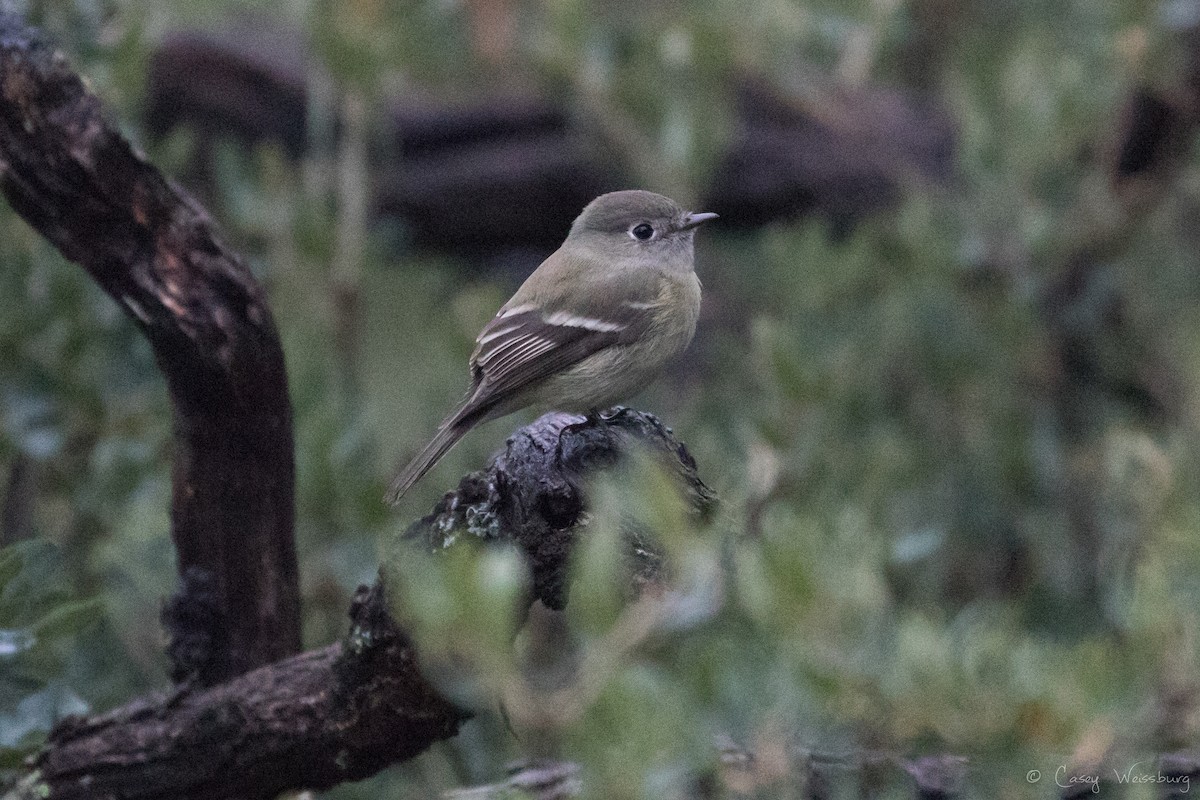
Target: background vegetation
x=958 y=479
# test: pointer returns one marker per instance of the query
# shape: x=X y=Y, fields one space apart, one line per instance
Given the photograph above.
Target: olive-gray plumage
x=591 y=326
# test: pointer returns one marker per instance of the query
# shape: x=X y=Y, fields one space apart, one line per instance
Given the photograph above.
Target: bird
x=592 y=325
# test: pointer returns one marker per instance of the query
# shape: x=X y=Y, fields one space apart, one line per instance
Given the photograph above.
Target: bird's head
x=638 y=223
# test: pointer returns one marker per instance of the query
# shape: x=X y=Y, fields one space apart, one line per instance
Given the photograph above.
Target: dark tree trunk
x=155 y=251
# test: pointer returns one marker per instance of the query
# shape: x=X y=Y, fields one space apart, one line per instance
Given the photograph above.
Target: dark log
x=841 y=155
x=507 y=192
x=504 y=172
x=249 y=84
x=509 y=171
x=312 y=721
x=534 y=492
x=71 y=176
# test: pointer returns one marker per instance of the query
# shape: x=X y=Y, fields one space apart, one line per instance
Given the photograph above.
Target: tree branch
x=155 y=251
x=344 y=712
x=312 y=721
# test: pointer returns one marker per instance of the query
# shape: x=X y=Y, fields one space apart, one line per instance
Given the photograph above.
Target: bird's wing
x=528 y=342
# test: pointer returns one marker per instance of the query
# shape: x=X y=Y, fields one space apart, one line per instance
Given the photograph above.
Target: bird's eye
x=642 y=231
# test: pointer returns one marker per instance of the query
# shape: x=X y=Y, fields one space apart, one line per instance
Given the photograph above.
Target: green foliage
x=934 y=536
x=40 y=622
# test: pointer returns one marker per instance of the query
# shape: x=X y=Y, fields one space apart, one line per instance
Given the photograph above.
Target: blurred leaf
x=36 y=714
x=957 y=467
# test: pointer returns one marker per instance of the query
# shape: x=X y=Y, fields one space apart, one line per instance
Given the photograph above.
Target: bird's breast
x=616 y=373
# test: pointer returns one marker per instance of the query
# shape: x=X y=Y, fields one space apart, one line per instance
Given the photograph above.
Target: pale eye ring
x=643 y=231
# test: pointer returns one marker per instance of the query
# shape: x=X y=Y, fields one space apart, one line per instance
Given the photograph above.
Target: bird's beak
x=694 y=218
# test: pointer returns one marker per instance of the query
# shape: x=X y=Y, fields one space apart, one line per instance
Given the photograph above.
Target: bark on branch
x=156 y=252
x=313 y=721
x=344 y=712
x=533 y=493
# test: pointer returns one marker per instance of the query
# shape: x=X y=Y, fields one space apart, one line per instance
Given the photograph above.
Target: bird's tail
x=453 y=428
x=447 y=436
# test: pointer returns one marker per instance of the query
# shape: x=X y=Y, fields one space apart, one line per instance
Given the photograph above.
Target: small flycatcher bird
x=592 y=325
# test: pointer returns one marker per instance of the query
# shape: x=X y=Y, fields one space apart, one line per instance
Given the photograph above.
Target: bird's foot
x=592 y=418
x=613 y=413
